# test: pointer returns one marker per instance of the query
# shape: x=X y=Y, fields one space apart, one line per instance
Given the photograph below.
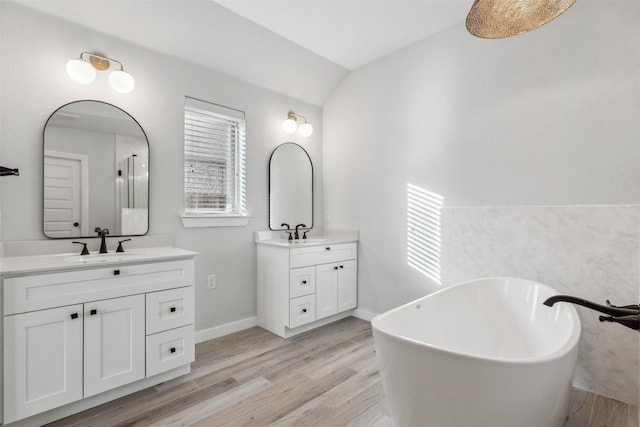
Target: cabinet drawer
x=169 y=309
x=41 y=291
x=302 y=257
x=302 y=310
x=170 y=349
x=302 y=281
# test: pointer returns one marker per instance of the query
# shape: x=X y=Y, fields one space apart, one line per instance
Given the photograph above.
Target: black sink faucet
x=297 y=234
x=103 y=232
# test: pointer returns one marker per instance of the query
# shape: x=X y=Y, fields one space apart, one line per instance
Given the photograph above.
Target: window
x=214 y=161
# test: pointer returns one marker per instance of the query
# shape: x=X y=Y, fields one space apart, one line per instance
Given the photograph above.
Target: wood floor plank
x=195 y=413
x=110 y=414
x=98 y=411
x=370 y=418
x=237 y=368
x=290 y=399
x=252 y=403
x=315 y=358
x=609 y=412
x=580 y=408
x=159 y=413
x=354 y=407
x=304 y=415
x=634 y=416
x=349 y=388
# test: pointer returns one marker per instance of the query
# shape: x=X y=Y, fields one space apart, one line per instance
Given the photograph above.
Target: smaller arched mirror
x=290 y=187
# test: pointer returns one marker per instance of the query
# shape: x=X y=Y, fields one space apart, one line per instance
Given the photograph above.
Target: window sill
x=190 y=221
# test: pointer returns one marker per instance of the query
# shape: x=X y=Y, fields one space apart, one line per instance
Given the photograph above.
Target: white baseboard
x=226 y=329
x=363 y=314
x=250 y=322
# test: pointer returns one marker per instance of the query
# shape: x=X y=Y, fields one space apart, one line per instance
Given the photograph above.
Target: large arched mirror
x=96 y=172
x=290 y=187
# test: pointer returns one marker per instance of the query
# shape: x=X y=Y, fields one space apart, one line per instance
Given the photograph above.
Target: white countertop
x=327 y=237
x=68 y=261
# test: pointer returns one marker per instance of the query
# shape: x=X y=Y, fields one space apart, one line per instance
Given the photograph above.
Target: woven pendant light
x=495 y=19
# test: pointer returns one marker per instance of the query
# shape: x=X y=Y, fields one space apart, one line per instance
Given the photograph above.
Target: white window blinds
x=214 y=159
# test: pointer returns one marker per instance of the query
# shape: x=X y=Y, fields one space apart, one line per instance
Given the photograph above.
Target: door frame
x=84 y=184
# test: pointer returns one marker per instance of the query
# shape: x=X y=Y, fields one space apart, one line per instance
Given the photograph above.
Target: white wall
x=34 y=50
x=547 y=118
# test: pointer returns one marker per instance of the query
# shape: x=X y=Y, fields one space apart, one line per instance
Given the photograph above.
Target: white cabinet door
x=42 y=361
x=347 y=285
x=114 y=336
x=326 y=290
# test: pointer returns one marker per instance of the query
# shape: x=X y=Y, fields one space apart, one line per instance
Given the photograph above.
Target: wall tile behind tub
x=588 y=251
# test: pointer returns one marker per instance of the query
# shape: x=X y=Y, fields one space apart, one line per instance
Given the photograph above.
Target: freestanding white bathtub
x=485 y=353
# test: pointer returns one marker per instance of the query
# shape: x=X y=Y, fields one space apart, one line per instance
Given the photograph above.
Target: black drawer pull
x=172 y=349
x=93 y=312
x=328 y=248
x=342 y=266
x=304 y=310
x=74 y=315
x=304 y=282
x=335 y=268
x=172 y=309
x=116 y=272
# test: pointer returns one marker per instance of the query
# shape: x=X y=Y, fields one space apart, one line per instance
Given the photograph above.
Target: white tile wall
x=588 y=251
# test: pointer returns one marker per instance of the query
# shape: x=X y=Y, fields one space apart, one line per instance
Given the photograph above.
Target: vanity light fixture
x=495 y=19
x=290 y=125
x=83 y=70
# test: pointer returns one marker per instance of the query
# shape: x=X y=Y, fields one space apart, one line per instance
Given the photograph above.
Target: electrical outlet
x=211 y=281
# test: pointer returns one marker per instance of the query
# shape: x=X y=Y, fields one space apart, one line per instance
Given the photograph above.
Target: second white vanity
x=82 y=330
x=306 y=283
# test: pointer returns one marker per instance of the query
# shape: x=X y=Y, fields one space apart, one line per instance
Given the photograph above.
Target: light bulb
x=81 y=71
x=289 y=126
x=305 y=129
x=121 y=81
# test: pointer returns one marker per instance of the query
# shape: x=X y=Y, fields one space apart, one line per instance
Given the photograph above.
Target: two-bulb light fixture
x=83 y=70
x=291 y=124
x=495 y=19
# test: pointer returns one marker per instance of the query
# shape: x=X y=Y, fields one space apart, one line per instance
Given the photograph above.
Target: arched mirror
x=96 y=172
x=290 y=187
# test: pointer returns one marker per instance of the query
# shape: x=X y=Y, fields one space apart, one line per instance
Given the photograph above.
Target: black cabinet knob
x=342 y=266
x=76 y=224
x=304 y=310
x=304 y=282
x=172 y=349
x=172 y=309
x=116 y=272
x=93 y=312
x=327 y=248
x=335 y=268
x=74 y=315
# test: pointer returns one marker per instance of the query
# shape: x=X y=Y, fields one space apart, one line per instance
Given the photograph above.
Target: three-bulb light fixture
x=291 y=124
x=83 y=70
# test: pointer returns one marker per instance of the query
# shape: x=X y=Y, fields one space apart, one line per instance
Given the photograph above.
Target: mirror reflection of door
x=65 y=185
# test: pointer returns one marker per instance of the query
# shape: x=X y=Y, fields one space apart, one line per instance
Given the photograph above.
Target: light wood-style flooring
x=327 y=377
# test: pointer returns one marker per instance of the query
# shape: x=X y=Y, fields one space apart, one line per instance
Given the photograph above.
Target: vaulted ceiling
x=302 y=48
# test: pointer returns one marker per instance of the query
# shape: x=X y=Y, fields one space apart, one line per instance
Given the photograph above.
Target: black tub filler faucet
x=627 y=315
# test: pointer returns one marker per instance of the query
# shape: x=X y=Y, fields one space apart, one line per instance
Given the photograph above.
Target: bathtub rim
x=566 y=348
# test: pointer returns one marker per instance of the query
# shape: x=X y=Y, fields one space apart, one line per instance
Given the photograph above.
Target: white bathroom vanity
x=306 y=283
x=79 y=331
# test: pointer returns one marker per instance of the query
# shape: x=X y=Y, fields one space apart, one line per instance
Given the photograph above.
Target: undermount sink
x=96 y=258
